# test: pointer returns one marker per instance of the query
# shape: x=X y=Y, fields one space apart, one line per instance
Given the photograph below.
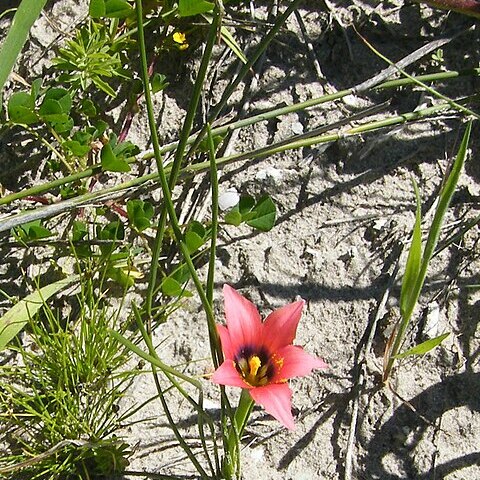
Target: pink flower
x=260 y=356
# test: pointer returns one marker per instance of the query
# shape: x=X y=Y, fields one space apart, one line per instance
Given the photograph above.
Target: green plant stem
x=242 y=413
x=171 y=211
x=154 y=360
x=432 y=91
x=225 y=406
x=57 y=137
x=167 y=193
x=167 y=187
x=246 y=68
x=49 y=146
x=324 y=138
x=179 y=155
x=214 y=226
x=156 y=150
x=170 y=372
x=97 y=169
x=197 y=405
x=117 y=190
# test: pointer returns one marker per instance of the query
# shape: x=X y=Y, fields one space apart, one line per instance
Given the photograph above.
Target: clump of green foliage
x=60 y=398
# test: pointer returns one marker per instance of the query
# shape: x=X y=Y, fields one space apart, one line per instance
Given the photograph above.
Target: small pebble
x=228 y=199
x=297 y=128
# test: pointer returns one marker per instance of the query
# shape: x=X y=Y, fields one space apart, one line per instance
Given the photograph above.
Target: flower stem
x=245 y=406
x=232 y=464
x=179 y=158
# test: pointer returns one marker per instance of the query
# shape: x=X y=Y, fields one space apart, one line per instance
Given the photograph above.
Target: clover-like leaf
x=139 y=213
x=79 y=230
x=111 y=162
x=112 y=231
x=159 y=82
x=265 y=215
x=188 y=8
x=32 y=231
x=62 y=96
x=233 y=217
x=21 y=108
x=193 y=241
x=171 y=288
x=117 y=9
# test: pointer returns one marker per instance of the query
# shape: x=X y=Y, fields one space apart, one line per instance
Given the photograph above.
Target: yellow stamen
x=254 y=363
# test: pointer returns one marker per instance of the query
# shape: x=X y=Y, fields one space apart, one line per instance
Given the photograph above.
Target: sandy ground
x=345 y=210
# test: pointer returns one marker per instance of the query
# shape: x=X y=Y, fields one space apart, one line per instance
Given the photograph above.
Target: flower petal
x=226 y=374
x=243 y=320
x=296 y=363
x=277 y=401
x=228 y=351
x=280 y=326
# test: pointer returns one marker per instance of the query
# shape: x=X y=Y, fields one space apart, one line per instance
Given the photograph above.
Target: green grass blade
x=446 y=195
x=17 y=317
x=27 y=13
x=230 y=41
x=412 y=268
x=411 y=294
x=445 y=198
x=424 y=347
x=153 y=360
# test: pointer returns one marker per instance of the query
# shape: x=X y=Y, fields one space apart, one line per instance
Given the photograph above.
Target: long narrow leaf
x=412 y=268
x=229 y=40
x=408 y=304
x=27 y=13
x=154 y=361
x=446 y=195
x=445 y=198
x=17 y=317
x=424 y=347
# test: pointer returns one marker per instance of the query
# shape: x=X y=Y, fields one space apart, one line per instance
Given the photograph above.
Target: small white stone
x=228 y=199
x=432 y=321
x=297 y=128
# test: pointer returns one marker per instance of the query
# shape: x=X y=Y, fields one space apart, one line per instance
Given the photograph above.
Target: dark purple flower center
x=256 y=366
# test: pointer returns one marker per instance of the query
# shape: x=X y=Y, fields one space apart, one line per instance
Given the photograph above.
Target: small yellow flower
x=181 y=39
